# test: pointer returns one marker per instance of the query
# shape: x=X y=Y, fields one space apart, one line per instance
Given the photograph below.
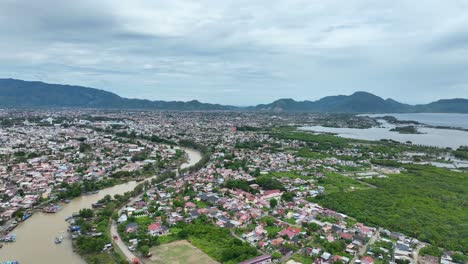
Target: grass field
x=179 y=252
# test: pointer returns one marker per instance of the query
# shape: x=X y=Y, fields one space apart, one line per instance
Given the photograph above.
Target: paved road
x=371 y=241
x=113 y=230
x=119 y=243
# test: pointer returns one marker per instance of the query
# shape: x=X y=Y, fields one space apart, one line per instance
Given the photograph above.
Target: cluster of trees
x=461 y=153
x=236 y=164
x=406 y=130
x=152 y=138
x=84 y=147
x=217 y=242
x=426 y=202
x=91 y=247
x=240 y=184
x=269 y=183
x=76 y=189
x=431 y=251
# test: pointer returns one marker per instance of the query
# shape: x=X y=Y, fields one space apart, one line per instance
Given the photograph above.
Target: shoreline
x=11 y=251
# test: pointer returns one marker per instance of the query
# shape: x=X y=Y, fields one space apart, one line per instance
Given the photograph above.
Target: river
x=35 y=236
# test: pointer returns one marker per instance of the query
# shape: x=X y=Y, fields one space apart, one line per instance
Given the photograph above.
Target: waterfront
x=432 y=119
x=429 y=136
x=35 y=236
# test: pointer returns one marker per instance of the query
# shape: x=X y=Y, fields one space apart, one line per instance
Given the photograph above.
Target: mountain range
x=32 y=94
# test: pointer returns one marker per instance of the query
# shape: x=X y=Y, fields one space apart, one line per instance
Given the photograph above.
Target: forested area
x=425 y=202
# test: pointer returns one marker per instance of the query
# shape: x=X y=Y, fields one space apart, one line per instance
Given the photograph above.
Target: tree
x=276 y=255
x=86 y=213
x=144 y=250
x=273 y=203
x=287 y=196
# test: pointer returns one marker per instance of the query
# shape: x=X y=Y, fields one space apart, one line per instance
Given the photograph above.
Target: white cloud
x=240 y=51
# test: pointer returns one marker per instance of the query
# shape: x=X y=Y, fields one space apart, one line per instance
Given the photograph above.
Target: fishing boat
x=25 y=217
x=58 y=240
x=8 y=238
x=51 y=209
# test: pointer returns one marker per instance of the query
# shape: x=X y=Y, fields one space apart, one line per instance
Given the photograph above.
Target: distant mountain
x=457 y=105
x=359 y=102
x=26 y=94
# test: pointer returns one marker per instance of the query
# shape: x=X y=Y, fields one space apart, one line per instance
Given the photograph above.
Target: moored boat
x=8 y=238
x=25 y=217
x=51 y=209
x=58 y=240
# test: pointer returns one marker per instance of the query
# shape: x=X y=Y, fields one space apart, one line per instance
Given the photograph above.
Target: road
x=119 y=243
x=113 y=230
x=363 y=249
x=416 y=252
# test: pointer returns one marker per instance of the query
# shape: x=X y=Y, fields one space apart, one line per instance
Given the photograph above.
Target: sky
x=240 y=52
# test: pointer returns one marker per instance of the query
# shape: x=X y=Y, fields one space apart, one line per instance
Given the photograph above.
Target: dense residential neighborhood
x=260 y=183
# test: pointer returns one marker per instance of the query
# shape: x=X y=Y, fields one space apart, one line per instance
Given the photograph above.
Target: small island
x=406 y=130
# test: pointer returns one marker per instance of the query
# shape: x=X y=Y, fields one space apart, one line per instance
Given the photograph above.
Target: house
x=346 y=236
x=156 y=229
x=131 y=228
x=367 y=260
x=290 y=232
x=272 y=194
x=190 y=205
x=326 y=256
x=277 y=241
x=122 y=218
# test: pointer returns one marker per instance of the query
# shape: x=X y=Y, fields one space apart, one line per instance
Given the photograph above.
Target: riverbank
x=195 y=158
x=35 y=237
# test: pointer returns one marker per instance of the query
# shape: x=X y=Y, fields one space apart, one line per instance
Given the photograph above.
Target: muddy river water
x=35 y=236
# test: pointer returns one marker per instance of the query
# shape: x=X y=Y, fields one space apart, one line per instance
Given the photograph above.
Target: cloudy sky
x=240 y=52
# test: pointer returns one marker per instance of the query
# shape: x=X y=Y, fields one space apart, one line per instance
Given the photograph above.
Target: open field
x=178 y=252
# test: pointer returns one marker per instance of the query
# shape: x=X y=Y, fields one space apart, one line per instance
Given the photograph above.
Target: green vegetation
x=461 y=153
x=334 y=182
x=178 y=252
x=307 y=153
x=217 y=242
x=426 y=202
x=269 y=183
x=431 y=251
x=459 y=258
x=240 y=184
x=406 y=130
x=73 y=190
x=91 y=247
x=249 y=145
